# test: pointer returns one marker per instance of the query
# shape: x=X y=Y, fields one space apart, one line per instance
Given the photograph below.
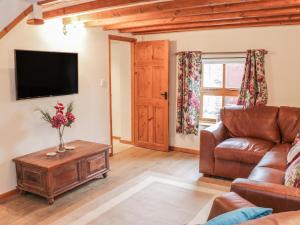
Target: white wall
x=116 y=89
x=121 y=89
x=10 y=9
x=21 y=129
x=282 y=63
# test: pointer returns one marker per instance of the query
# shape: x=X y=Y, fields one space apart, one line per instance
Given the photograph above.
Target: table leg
x=22 y=192
x=50 y=200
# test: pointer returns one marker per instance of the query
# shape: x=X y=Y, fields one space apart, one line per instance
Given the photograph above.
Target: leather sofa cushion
x=276 y=158
x=282 y=148
x=285 y=218
x=232 y=169
x=269 y=175
x=289 y=123
x=259 y=122
x=246 y=150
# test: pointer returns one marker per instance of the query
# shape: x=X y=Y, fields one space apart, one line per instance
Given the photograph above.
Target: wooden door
x=152 y=94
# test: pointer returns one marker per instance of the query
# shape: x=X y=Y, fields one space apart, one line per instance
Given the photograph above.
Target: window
x=220 y=86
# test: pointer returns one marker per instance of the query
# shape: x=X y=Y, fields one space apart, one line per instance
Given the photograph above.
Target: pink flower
x=59 y=107
x=58 y=120
x=71 y=118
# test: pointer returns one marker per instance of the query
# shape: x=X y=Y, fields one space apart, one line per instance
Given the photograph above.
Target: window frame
x=223 y=91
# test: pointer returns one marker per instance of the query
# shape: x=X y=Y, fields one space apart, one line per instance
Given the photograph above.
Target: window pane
x=230 y=100
x=213 y=75
x=234 y=75
x=212 y=106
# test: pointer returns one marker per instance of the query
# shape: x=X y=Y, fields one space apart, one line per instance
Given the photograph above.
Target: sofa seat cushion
x=276 y=158
x=246 y=150
x=269 y=175
x=282 y=148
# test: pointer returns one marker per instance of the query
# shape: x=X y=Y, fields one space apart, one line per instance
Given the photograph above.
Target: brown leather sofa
x=253 y=144
x=232 y=201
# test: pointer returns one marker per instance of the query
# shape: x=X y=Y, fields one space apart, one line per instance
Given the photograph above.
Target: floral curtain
x=254 y=90
x=188 y=98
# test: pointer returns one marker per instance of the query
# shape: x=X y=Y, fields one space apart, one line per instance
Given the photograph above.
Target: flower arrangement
x=60 y=121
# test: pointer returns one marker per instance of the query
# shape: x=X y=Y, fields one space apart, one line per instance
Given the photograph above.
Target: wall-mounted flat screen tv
x=44 y=74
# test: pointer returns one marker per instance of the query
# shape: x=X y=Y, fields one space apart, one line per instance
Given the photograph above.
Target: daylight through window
x=221 y=81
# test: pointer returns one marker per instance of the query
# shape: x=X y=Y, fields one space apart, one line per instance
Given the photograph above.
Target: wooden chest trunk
x=51 y=176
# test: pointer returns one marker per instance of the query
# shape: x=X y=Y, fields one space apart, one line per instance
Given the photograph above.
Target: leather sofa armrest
x=279 y=197
x=226 y=203
x=209 y=139
x=284 y=218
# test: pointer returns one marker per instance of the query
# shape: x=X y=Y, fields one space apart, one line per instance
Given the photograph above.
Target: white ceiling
x=10 y=9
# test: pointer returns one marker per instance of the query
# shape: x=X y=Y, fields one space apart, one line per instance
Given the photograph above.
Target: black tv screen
x=44 y=74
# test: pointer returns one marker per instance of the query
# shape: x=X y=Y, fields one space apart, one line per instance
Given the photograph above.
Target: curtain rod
x=217 y=53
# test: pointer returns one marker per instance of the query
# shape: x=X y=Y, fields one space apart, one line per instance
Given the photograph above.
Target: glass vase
x=61 y=147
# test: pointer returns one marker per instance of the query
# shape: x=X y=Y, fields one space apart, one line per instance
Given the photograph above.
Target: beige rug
x=151 y=199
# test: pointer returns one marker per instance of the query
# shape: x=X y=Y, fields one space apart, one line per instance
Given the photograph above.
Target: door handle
x=165 y=94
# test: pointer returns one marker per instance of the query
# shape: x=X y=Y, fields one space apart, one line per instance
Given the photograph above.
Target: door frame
x=132 y=42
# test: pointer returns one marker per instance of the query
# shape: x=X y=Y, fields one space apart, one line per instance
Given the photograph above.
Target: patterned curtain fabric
x=188 y=98
x=254 y=90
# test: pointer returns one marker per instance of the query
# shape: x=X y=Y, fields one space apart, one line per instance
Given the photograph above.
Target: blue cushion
x=240 y=215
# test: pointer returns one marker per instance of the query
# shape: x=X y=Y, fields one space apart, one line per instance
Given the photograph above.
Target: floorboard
x=31 y=209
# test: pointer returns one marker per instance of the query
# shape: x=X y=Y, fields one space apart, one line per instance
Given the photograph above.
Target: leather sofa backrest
x=289 y=123
x=258 y=122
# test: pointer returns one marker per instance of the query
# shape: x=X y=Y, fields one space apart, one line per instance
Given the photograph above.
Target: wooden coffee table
x=51 y=176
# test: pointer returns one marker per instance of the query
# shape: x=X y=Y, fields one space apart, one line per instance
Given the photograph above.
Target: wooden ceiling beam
x=88 y=6
x=206 y=17
x=154 y=10
x=239 y=7
x=212 y=23
x=230 y=26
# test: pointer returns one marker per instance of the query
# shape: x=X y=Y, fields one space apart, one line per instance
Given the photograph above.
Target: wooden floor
x=33 y=210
